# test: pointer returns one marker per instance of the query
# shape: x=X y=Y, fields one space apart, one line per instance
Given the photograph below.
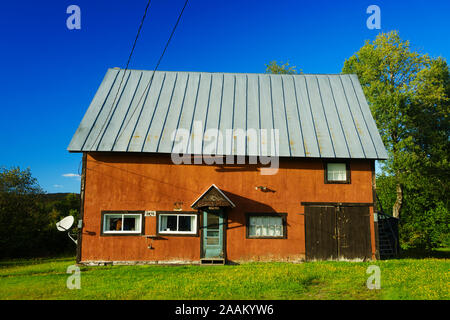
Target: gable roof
x=212 y=197
x=317 y=116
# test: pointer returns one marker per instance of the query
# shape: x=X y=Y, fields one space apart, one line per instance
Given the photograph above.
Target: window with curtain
x=122 y=223
x=271 y=226
x=177 y=223
x=336 y=172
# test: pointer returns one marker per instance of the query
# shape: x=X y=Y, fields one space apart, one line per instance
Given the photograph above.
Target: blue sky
x=51 y=73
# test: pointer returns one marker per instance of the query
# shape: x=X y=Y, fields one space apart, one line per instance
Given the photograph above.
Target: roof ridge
x=243 y=73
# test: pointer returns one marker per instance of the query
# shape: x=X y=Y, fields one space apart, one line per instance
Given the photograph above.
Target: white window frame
x=194 y=223
x=138 y=223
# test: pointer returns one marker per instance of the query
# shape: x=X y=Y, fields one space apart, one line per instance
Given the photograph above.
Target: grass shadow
x=441 y=253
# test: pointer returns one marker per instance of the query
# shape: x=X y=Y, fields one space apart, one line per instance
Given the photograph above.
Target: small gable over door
x=212 y=197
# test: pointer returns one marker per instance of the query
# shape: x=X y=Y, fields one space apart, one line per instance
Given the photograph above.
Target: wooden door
x=353 y=227
x=320 y=233
x=335 y=232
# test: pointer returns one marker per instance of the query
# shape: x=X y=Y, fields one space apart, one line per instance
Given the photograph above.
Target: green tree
x=275 y=68
x=28 y=217
x=20 y=220
x=405 y=89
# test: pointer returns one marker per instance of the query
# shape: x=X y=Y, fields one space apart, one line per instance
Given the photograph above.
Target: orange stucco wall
x=153 y=182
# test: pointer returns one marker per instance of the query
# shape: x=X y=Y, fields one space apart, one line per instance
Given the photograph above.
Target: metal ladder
x=387 y=238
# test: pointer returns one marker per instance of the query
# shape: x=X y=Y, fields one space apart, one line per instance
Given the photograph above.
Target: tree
x=20 y=221
x=28 y=217
x=275 y=68
x=405 y=89
x=18 y=181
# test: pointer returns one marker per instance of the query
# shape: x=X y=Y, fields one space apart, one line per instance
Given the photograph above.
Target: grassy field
x=427 y=278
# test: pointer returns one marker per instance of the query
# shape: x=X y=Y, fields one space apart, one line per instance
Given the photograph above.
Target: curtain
x=266 y=226
x=337 y=172
x=162 y=223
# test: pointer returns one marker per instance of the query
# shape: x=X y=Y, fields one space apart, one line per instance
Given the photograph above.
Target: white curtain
x=266 y=226
x=337 y=172
x=162 y=223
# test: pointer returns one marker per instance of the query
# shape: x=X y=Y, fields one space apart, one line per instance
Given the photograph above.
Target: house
x=195 y=167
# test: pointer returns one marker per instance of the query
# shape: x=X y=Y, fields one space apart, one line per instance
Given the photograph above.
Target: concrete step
x=212 y=261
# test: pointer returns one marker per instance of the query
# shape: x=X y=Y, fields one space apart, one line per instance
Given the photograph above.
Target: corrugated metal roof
x=317 y=116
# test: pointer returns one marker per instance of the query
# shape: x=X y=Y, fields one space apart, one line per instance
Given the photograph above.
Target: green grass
x=427 y=278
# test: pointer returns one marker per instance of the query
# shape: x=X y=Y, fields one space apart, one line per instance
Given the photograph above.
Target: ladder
x=388 y=243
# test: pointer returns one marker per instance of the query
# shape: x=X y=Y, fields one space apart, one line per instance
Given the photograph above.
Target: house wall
x=122 y=181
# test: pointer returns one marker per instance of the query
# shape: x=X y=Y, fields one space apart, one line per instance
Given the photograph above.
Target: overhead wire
x=126 y=68
x=152 y=76
x=154 y=71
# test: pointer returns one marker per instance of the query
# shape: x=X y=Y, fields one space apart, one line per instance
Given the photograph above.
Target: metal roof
x=317 y=116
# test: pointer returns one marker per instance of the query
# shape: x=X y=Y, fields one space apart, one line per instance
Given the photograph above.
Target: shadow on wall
x=244 y=205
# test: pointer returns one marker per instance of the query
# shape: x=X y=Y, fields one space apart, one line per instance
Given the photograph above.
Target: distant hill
x=50 y=197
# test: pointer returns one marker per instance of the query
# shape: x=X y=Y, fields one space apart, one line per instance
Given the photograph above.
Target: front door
x=212 y=234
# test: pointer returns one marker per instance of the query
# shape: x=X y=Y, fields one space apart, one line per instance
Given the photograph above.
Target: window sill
x=121 y=234
x=267 y=237
x=337 y=182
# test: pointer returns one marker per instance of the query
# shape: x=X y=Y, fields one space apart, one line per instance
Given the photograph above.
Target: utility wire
x=124 y=72
x=156 y=68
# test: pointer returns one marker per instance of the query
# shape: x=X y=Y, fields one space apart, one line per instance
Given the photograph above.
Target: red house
x=193 y=167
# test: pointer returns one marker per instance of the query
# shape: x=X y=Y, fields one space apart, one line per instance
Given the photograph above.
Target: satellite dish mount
x=65 y=225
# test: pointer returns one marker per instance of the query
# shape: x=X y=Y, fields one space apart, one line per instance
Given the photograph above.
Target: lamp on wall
x=261 y=188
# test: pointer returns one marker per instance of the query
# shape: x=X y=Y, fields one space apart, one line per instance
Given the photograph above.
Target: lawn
x=427 y=278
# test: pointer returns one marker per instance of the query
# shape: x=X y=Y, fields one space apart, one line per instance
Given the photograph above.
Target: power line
x=151 y=79
x=156 y=68
x=126 y=68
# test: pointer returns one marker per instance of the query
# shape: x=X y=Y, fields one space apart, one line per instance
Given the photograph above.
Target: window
x=337 y=172
x=172 y=223
x=122 y=223
x=260 y=225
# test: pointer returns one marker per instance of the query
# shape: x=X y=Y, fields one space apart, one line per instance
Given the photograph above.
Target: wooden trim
x=200 y=218
x=348 y=172
x=180 y=234
x=212 y=197
x=224 y=232
x=375 y=209
x=338 y=204
x=283 y=216
x=82 y=188
x=120 y=234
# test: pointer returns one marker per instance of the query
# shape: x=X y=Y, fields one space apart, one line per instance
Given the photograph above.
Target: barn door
x=320 y=233
x=335 y=232
x=353 y=227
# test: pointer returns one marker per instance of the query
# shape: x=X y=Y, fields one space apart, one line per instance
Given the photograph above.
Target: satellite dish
x=65 y=224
